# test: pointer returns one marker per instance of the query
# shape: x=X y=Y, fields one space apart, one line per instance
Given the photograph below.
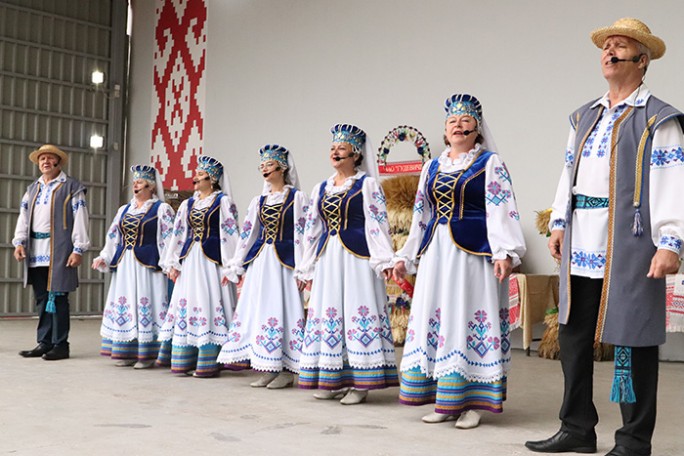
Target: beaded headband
x=211 y=166
x=274 y=152
x=463 y=104
x=349 y=134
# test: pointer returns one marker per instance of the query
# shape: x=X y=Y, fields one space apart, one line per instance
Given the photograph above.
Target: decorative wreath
x=400 y=134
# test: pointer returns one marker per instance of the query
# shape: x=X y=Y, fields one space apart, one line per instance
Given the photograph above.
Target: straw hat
x=632 y=28
x=49 y=149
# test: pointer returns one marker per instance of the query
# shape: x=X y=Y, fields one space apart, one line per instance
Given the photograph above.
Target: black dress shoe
x=562 y=442
x=37 y=352
x=57 y=352
x=619 y=450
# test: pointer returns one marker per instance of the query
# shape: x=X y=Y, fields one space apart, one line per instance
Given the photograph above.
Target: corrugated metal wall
x=48 y=50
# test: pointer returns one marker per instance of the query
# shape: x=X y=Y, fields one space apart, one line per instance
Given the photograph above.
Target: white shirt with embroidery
x=504 y=232
x=590 y=226
x=113 y=240
x=251 y=223
x=229 y=231
x=376 y=225
x=41 y=222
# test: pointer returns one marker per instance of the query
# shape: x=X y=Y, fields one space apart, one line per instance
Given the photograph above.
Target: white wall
x=285 y=71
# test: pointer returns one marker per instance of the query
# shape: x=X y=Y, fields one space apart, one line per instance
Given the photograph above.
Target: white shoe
x=264 y=380
x=354 y=396
x=124 y=363
x=283 y=380
x=468 y=420
x=326 y=395
x=435 y=417
x=144 y=364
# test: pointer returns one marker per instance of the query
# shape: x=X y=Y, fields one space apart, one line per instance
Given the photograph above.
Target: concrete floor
x=86 y=406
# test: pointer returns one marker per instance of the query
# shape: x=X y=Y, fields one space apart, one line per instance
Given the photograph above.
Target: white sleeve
x=667 y=175
x=21 y=232
x=250 y=231
x=301 y=211
x=79 y=235
x=312 y=233
x=422 y=211
x=230 y=231
x=171 y=256
x=376 y=226
x=164 y=226
x=112 y=241
x=504 y=232
x=559 y=208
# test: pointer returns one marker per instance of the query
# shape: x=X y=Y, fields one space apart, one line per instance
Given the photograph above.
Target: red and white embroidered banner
x=178 y=100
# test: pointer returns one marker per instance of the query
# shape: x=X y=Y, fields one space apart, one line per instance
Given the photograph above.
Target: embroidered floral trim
x=670 y=243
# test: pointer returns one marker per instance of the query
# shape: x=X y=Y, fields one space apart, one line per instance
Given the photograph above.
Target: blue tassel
x=623 y=388
x=637 y=227
x=50 y=307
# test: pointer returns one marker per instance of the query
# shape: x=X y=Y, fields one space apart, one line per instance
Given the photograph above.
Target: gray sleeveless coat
x=632 y=309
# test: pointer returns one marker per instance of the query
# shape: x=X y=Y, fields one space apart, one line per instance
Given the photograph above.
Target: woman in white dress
x=467 y=236
x=347 y=347
x=268 y=325
x=137 y=300
x=204 y=238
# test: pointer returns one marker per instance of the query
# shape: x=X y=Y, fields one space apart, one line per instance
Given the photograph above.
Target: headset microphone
x=338 y=158
x=634 y=59
x=467 y=132
x=197 y=181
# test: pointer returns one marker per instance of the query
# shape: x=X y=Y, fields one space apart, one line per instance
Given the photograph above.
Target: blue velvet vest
x=459 y=200
x=139 y=232
x=343 y=216
x=276 y=227
x=205 y=228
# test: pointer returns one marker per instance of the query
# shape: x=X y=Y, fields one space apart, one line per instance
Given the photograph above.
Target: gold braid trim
x=640 y=161
x=603 y=306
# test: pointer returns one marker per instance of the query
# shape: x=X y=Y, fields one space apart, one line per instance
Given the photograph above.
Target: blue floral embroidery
x=366 y=331
x=661 y=158
x=670 y=242
x=558 y=223
x=569 y=158
x=594 y=261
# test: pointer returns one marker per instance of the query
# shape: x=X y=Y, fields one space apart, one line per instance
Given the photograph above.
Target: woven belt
x=588 y=202
x=39 y=235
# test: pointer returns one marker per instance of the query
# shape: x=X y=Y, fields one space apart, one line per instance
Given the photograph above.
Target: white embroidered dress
x=590 y=227
x=268 y=325
x=200 y=308
x=459 y=313
x=347 y=316
x=138 y=298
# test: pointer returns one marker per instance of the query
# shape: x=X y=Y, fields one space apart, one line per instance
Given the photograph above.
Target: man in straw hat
x=617 y=228
x=52 y=231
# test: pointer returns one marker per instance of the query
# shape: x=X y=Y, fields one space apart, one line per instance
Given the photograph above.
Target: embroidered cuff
x=78 y=251
x=671 y=243
x=19 y=243
x=557 y=224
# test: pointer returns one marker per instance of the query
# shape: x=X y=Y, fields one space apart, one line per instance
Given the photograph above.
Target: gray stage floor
x=86 y=406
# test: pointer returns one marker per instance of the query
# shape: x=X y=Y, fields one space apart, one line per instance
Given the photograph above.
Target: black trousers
x=53 y=328
x=578 y=413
